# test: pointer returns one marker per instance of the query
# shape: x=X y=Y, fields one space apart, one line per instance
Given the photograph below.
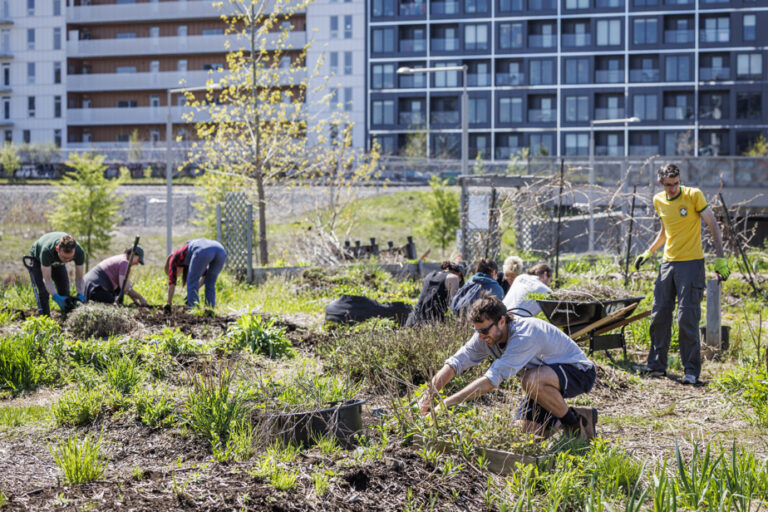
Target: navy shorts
x=573 y=382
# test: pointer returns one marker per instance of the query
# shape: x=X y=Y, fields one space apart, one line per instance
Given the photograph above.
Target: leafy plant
x=321 y=481
x=155 y=408
x=261 y=336
x=18 y=369
x=123 y=374
x=175 y=342
x=78 y=407
x=81 y=460
x=214 y=406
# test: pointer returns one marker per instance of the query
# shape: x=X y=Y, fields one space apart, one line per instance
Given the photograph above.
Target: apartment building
x=540 y=72
x=32 y=82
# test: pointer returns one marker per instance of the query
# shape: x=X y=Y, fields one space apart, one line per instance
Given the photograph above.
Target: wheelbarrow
x=592 y=320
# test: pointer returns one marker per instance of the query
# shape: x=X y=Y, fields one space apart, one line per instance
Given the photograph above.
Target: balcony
x=678 y=113
x=445 y=45
x=678 y=36
x=644 y=75
x=413 y=45
x=507 y=152
x=577 y=40
x=541 y=41
x=643 y=150
x=609 y=113
x=609 y=150
x=118 y=116
x=440 y=8
x=413 y=9
x=444 y=117
x=174 y=45
x=152 y=11
x=714 y=73
x=715 y=35
x=542 y=116
x=510 y=78
x=412 y=118
x=609 y=76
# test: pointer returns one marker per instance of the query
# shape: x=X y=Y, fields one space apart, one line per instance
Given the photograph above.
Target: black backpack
x=433 y=300
x=465 y=297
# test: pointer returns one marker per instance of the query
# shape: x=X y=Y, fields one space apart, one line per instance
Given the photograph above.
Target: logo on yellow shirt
x=683 y=212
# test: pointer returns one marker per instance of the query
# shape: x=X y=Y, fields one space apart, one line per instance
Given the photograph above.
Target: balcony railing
x=609 y=76
x=506 y=152
x=445 y=7
x=715 y=35
x=541 y=41
x=609 y=150
x=478 y=80
x=137 y=115
x=714 y=73
x=413 y=9
x=444 y=117
x=609 y=113
x=445 y=45
x=678 y=113
x=643 y=150
x=576 y=40
x=412 y=118
x=413 y=45
x=644 y=75
x=542 y=116
x=678 y=36
x=510 y=78
x=152 y=11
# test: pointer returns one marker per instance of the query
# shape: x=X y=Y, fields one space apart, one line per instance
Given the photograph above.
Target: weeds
x=123 y=374
x=261 y=336
x=321 y=481
x=99 y=321
x=18 y=368
x=155 y=408
x=81 y=460
x=175 y=342
x=78 y=407
x=17 y=416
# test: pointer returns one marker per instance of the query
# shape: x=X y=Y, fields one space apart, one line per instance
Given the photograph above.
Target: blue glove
x=81 y=297
x=61 y=301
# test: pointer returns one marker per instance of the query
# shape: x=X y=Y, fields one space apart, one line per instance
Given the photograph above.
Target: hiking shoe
x=690 y=379
x=587 y=422
x=650 y=372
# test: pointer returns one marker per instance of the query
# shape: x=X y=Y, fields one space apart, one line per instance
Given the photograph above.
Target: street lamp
x=405 y=70
x=168 y=172
x=625 y=120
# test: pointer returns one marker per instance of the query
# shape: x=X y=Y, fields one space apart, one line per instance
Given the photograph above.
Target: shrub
x=78 y=407
x=261 y=336
x=213 y=407
x=123 y=374
x=99 y=320
x=81 y=461
x=18 y=368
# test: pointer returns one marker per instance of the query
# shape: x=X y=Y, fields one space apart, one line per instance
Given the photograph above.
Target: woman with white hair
x=513 y=267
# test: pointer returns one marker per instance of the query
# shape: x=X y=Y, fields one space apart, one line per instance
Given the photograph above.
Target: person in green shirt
x=46 y=263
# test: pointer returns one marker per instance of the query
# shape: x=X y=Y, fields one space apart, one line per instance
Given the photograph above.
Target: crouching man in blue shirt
x=550 y=365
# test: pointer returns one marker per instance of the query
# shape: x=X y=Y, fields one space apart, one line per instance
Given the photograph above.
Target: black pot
x=725 y=335
x=342 y=420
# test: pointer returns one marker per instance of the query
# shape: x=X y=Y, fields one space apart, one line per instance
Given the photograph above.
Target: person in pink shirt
x=104 y=281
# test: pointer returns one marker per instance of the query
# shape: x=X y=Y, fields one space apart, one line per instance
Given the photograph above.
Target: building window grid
x=57 y=38
x=31 y=72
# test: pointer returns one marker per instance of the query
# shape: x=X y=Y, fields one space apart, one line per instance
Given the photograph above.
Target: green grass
x=11 y=417
x=78 y=407
x=81 y=460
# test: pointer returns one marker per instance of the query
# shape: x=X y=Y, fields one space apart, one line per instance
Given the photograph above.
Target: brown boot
x=587 y=422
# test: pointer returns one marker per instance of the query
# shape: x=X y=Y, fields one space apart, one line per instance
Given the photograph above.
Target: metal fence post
x=219 y=238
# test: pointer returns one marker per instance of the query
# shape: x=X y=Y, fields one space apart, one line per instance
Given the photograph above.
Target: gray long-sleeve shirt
x=532 y=342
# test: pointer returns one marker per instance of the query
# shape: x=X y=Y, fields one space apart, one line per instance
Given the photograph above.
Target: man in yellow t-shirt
x=681 y=274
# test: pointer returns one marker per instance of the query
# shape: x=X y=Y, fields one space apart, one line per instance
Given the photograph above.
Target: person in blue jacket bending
x=201 y=261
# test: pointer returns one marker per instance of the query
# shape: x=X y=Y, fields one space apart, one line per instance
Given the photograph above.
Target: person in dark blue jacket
x=486 y=272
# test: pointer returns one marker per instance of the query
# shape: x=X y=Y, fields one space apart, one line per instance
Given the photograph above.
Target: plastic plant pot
x=341 y=420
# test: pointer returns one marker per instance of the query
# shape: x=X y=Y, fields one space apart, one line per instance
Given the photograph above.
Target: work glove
x=81 y=297
x=642 y=259
x=721 y=267
x=61 y=301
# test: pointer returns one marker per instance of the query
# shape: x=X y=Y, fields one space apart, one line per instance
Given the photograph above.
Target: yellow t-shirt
x=681 y=217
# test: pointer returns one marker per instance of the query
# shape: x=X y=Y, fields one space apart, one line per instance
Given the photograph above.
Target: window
x=610 y=70
x=713 y=105
x=509 y=72
x=383 y=112
x=154 y=33
x=6 y=107
x=716 y=30
x=30 y=72
x=416 y=81
x=749 y=21
x=130 y=35
x=154 y=100
x=132 y=103
x=541 y=35
x=333 y=63
x=8 y=136
x=476 y=37
x=413 y=39
x=542 y=72
x=445 y=110
x=645 y=31
x=542 y=144
x=475 y=6
x=6 y=74
x=154 y=66
x=348 y=99
x=383 y=76
x=748 y=105
x=334 y=27
x=347 y=63
x=609 y=4
x=749 y=65
x=57 y=7
x=445 y=38
x=577 y=4
x=645 y=3
x=541 y=108
x=510 y=110
x=57 y=38
x=30 y=7
x=285 y=63
x=577 y=71
x=678 y=106
x=510 y=5
x=510 y=35
x=181 y=65
x=347 y=27
x=608 y=32
x=383 y=8
x=677 y=68
x=609 y=106
x=576 y=144
x=57 y=72
x=57 y=106
x=577 y=108
x=479 y=144
x=383 y=40
x=678 y=29
x=26 y=135
x=508 y=144
x=181 y=31
x=478 y=110
x=576 y=33
x=212 y=32
x=446 y=78
x=125 y=69
x=154 y=135
x=478 y=74
x=31 y=106
x=30 y=39
x=412 y=112
x=216 y=66
x=645 y=106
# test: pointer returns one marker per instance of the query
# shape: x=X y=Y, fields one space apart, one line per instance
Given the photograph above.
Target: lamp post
x=625 y=120
x=464 y=106
x=168 y=164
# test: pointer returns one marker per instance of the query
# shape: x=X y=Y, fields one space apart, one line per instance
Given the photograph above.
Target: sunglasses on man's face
x=486 y=330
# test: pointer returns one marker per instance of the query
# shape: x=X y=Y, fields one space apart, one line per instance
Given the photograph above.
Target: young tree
x=442 y=212
x=759 y=147
x=9 y=159
x=257 y=123
x=86 y=204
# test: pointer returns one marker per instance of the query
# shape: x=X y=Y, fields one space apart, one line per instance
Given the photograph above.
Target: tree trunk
x=263 y=253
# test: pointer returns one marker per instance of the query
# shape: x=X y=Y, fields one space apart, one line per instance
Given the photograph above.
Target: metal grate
x=235 y=232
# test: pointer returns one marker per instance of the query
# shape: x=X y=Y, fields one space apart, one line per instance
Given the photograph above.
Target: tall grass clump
x=81 y=460
x=748 y=386
x=18 y=369
x=311 y=390
x=214 y=405
x=99 y=320
x=155 y=408
x=175 y=342
x=260 y=335
x=123 y=374
x=78 y=407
